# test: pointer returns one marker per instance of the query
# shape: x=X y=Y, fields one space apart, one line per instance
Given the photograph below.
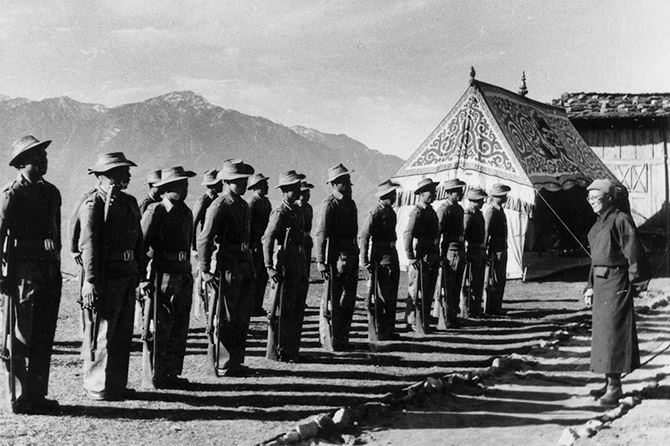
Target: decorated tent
x=495 y=136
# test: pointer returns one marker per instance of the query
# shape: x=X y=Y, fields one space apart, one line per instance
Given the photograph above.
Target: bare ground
x=244 y=411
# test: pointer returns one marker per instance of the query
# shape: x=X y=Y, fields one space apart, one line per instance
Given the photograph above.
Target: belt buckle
x=182 y=256
x=244 y=246
x=127 y=255
x=49 y=244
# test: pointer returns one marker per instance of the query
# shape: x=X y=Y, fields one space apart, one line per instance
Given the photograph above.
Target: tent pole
x=666 y=205
x=563 y=223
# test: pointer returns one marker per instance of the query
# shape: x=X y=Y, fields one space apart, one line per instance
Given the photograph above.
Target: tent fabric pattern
x=544 y=140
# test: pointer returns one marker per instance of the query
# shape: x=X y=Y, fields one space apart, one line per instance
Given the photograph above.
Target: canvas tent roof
x=494 y=136
x=499 y=136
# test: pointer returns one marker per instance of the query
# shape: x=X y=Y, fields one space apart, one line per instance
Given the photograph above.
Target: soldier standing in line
x=290 y=305
x=154 y=195
x=167 y=228
x=30 y=284
x=495 y=230
x=260 y=209
x=307 y=215
x=423 y=227
x=214 y=187
x=337 y=260
x=227 y=224
x=379 y=256
x=450 y=218
x=475 y=255
x=111 y=248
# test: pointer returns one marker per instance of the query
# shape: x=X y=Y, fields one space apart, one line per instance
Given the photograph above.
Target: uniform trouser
x=450 y=280
x=107 y=374
x=36 y=301
x=495 y=283
x=421 y=300
x=174 y=294
x=291 y=306
x=473 y=283
x=342 y=303
x=304 y=286
x=260 y=276
x=235 y=279
x=388 y=276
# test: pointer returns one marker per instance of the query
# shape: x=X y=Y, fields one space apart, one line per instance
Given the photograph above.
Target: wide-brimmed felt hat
x=385 y=188
x=424 y=185
x=452 y=184
x=498 y=190
x=289 y=178
x=336 y=172
x=109 y=161
x=476 y=194
x=173 y=174
x=153 y=177
x=24 y=144
x=255 y=179
x=209 y=177
x=603 y=185
x=235 y=169
x=304 y=185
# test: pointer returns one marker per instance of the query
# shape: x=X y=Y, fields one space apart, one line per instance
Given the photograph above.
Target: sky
x=382 y=72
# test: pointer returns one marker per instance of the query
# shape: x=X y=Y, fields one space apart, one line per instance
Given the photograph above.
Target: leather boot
x=614 y=392
x=600 y=391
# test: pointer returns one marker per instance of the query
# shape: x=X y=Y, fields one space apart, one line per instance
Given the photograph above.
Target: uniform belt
x=452 y=239
x=344 y=241
x=180 y=256
x=242 y=247
x=42 y=245
x=476 y=245
x=383 y=243
x=123 y=256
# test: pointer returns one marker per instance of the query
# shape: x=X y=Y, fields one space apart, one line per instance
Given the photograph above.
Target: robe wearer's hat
x=604 y=186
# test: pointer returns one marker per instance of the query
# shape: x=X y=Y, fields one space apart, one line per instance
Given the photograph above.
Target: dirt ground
x=515 y=409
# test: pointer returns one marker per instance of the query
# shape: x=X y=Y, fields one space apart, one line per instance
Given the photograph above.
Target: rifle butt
x=325 y=317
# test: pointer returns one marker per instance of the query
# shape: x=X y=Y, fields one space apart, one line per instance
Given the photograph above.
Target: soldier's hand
x=323 y=270
x=146 y=288
x=414 y=263
x=206 y=276
x=273 y=274
x=369 y=267
x=588 y=297
x=89 y=296
x=77 y=258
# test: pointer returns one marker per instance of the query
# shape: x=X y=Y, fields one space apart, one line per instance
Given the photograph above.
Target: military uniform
x=111 y=254
x=450 y=216
x=422 y=226
x=151 y=198
x=30 y=234
x=307 y=216
x=199 y=212
x=287 y=217
x=496 y=250
x=336 y=247
x=378 y=230
x=227 y=224
x=473 y=234
x=260 y=209
x=167 y=229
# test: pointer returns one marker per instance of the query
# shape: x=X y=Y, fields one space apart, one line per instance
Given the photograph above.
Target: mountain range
x=182 y=128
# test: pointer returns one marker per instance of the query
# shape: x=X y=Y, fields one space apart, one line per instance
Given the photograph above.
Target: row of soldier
x=130 y=252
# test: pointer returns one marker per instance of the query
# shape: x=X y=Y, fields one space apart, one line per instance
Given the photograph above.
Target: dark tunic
x=618 y=271
x=30 y=217
x=379 y=228
x=450 y=217
x=473 y=234
x=495 y=226
x=199 y=212
x=291 y=304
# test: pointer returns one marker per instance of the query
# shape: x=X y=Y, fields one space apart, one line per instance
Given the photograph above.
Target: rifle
x=325 y=319
x=150 y=308
x=490 y=283
x=9 y=326
x=213 y=326
x=419 y=303
x=372 y=298
x=467 y=288
x=274 y=314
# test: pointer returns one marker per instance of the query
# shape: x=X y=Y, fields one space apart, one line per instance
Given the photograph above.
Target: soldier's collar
x=23 y=179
